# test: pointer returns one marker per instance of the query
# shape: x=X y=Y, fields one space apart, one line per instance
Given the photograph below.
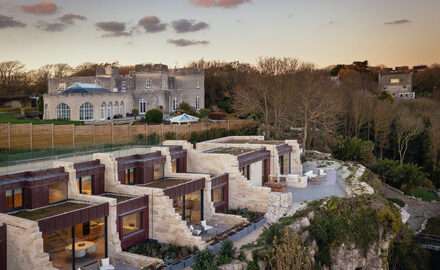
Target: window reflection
x=246 y=172
x=57 y=192
x=131 y=223
x=158 y=171
x=14 y=199
x=174 y=164
x=85 y=184
x=218 y=195
x=130 y=176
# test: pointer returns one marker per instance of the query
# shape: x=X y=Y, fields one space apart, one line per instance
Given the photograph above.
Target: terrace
x=119 y=197
x=49 y=211
x=253 y=141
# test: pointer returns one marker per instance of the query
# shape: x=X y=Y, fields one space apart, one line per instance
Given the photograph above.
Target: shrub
x=226 y=252
x=272 y=234
x=288 y=253
x=40 y=104
x=154 y=116
x=135 y=111
x=354 y=149
x=253 y=266
x=186 y=108
x=170 y=135
x=397 y=201
x=205 y=260
x=433 y=226
x=203 y=113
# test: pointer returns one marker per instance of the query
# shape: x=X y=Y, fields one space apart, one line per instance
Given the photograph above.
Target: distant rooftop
x=86 y=88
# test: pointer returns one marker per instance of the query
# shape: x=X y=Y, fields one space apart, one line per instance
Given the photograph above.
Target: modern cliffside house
x=109 y=94
x=48 y=228
x=398 y=85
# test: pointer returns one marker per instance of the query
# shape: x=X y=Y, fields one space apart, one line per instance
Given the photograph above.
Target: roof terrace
x=229 y=150
x=50 y=210
x=253 y=141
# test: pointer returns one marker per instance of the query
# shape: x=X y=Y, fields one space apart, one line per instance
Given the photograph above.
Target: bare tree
x=407 y=127
x=61 y=70
x=316 y=101
x=383 y=116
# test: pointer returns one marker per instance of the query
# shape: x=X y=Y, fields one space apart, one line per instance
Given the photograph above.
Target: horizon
x=176 y=33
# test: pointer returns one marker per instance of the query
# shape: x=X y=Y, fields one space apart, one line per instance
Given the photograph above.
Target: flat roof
x=119 y=197
x=167 y=183
x=50 y=210
x=252 y=141
x=230 y=150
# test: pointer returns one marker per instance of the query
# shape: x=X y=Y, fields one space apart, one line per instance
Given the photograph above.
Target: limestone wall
x=242 y=194
x=208 y=206
x=256 y=174
x=165 y=224
x=25 y=245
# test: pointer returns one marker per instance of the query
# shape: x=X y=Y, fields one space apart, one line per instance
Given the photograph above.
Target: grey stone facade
x=150 y=86
x=398 y=85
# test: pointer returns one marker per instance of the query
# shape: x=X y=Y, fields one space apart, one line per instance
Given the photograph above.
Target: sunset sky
x=175 y=32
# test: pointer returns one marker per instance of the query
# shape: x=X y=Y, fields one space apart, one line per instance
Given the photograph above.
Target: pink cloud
x=43 y=8
x=218 y=3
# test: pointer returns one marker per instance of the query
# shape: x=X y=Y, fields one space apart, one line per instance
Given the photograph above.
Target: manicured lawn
x=424 y=194
x=9 y=118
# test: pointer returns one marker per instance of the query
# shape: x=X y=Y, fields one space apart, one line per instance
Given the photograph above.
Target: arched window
x=121 y=108
x=142 y=106
x=115 y=108
x=63 y=111
x=109 y=110
x=46 y=111
x=86 y=111
x=103 y=107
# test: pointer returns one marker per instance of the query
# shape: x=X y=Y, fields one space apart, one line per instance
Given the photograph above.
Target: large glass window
x=218 y=195
x=246 y=171
x=63 y=111
x=174 y=165
x=86 y=111
x=158 y=171
x=14 y=199
x=142 y=106
x=193 y=207
x=121 y=108
x=131 y=223
x=85 y=184
x=130 y=176
x=109 y=110
x=103 y=107
x=87 y=238
x=57 y=192
x=174 y=104
x=284 y=162
x=116 y=108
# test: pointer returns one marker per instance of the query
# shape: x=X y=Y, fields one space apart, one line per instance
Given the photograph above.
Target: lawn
x=425 y=195
x=9 y=118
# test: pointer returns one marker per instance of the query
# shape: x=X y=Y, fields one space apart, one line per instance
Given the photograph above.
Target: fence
x=49 y=136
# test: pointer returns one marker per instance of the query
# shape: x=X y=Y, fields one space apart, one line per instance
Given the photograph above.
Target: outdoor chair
x=106 y=264
x=197 y=232
x=310 y=174
x=80 y=253
x=205 y=226
x=322 y=172
x=92 y=250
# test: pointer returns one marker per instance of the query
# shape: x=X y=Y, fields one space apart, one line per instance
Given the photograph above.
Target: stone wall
x=25 y=245
x=208 y=206
x=256 y=173
x=165 y=224
x=242 y=194
x=280 y=204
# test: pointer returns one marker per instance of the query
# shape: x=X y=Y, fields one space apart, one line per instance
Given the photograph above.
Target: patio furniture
x=80 y=253
x=322 y=172
x=197 y=232
x=106 y=264
x=92 y=250
x=310 y=174
x=205 y=226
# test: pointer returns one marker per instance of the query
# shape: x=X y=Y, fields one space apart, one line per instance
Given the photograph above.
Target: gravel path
x=419 y=210
x=250 y=237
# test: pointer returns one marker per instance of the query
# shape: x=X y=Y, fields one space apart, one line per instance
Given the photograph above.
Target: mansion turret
x=108 y=94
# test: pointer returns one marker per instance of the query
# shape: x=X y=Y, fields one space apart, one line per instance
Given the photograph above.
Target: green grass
x=425 y=195
x=49 y=211
x=397 y=201
x=9 y=118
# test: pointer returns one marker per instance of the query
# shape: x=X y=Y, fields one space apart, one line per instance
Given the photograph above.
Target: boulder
x=304 y=222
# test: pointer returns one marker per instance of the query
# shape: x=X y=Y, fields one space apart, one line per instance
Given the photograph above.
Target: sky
x=176 y=32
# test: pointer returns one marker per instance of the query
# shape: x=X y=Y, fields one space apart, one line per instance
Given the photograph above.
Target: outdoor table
x=79 y=246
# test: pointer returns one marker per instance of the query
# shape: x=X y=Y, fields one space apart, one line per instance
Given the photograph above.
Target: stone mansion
x=108 y=94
